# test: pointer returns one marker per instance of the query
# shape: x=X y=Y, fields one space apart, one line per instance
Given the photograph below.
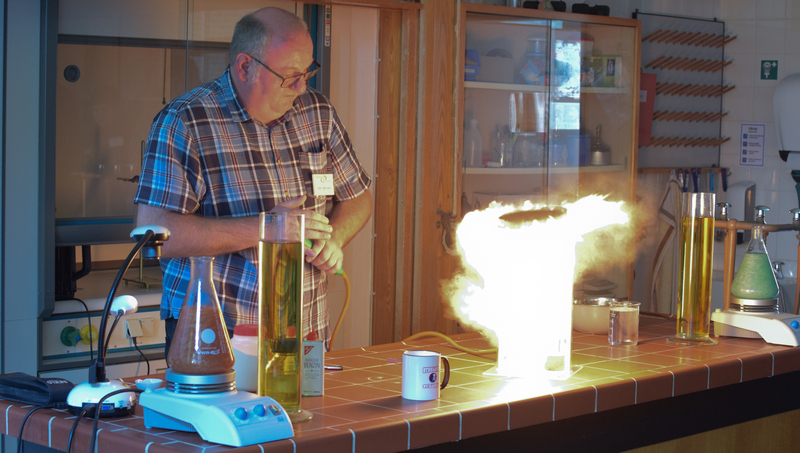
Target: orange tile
x=756 y=367
x=310 y=403
x=691 y=379
x=354 y=362
x=572 y=404
x=379 y=436
x=786 y=360
x=724 y=373
x=484 y=420
x=358 y=411
x=614 y=395
x=531 y=412
x=355 y=393
x=651 y=387
x=431 y=430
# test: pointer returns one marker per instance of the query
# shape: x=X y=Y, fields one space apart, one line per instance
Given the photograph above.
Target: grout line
x=294 y=446
x=97 y=441
x=635 y=391
x=773 y=364
x=741 y=371
x=673 y=383
x=261 y=447
x=460 y=424
x=354 y=439
x=7 y=409
x=408 y=444
x=595 y=398
x=147 y=447
x=708 y=377
x=508 y=417
x=50 y=432
x=554 y=406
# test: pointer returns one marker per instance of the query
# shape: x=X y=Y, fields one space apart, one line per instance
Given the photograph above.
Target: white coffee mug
x=421 y=377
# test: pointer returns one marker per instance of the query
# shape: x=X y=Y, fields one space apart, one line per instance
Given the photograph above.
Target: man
x=253 y=140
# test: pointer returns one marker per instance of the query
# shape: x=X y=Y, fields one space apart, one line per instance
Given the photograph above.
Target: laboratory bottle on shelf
x=599 y=152
x=755 y=278
x=473 y=145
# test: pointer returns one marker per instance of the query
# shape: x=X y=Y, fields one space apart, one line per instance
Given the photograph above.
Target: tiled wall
x=765 y=30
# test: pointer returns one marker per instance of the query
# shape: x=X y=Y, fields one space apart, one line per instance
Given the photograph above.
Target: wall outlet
x=133 y=328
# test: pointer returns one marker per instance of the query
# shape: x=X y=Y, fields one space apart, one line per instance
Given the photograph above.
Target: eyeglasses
x=287 y=82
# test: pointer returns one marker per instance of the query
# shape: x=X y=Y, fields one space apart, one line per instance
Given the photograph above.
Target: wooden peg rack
x=687 y=57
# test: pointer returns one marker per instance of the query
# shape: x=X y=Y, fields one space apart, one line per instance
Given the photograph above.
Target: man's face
x=288 y=58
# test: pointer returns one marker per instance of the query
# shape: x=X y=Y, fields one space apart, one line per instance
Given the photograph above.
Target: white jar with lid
x=245 y=353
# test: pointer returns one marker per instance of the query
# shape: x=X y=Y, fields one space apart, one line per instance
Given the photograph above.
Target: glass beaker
x=755 y=278
x=201 y=345
x=696 y=255
x=280 y=310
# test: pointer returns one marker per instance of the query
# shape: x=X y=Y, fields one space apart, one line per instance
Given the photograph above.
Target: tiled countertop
x=362 y=409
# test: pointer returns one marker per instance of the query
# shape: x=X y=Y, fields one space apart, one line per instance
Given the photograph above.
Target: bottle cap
x=245 y=330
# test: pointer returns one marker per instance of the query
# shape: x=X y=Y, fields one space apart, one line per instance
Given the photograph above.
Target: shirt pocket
x=315 y=162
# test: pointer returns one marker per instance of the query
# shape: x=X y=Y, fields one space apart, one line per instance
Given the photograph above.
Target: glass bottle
x=599 y=152
x=201 y=345
x=755 y=279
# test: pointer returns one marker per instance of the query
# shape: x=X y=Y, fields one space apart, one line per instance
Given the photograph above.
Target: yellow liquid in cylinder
x=280 y=322
x=694 y=297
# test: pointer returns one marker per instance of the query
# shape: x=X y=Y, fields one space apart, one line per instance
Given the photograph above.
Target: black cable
x=22 y=426
x=99 y=407
x=110 y=331
x=89 y=319
x=75 y=425
x=141 y=354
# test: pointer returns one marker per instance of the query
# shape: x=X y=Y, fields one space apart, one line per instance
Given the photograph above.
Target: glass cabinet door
x=549 y=113
x=536 y=94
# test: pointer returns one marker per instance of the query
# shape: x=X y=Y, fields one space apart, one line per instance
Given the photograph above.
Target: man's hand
x=326 y=256
x=317 y=225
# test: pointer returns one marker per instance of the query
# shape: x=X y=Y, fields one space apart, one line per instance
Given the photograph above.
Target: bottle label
x=313 y=358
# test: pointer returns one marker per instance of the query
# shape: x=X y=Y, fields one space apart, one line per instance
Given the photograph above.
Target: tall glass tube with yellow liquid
x=280 y=317
x=696 y=263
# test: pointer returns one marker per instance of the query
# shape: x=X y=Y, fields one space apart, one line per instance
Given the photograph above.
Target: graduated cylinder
x=280 y=317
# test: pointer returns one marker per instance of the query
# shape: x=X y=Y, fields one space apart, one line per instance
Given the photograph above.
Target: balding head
x=255 y=32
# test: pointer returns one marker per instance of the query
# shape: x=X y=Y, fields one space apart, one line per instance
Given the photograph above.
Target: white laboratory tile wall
x=766 y=30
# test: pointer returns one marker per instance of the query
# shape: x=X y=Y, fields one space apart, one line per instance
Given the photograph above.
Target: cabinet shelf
x=516 y=87
x=542 y=170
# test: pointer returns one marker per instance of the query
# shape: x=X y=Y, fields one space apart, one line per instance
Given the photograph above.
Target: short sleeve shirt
x=206 y=156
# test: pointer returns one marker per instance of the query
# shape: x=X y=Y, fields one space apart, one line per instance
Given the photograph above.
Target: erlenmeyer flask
x=755 y=279
x=201 y=344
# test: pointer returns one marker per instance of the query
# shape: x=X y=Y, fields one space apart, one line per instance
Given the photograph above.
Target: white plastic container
x=245 y=352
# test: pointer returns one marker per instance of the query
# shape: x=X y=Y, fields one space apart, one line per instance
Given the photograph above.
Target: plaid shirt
x=207 y=156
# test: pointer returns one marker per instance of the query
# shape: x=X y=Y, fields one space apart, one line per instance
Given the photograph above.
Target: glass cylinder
x=201 y=345
x=696 y=256
x=755 y=278
x=280 y=313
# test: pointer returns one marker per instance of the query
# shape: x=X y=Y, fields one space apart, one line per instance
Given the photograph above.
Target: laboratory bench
x=620 y=398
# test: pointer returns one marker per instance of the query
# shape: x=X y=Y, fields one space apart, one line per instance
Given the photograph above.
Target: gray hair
x=250 y=36
x=254 y=32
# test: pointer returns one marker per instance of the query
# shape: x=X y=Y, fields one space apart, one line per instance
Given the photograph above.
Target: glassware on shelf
x=755 y=278
x=473 y=145
x=599 y=152
x=528 y=150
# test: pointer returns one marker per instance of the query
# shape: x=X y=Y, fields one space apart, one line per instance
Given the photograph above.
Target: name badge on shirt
x=323 y=185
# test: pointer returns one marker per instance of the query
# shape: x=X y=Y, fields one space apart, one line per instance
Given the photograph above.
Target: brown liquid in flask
x=201 y=344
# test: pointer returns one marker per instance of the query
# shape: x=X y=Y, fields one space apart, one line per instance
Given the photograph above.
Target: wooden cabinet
x=539 y=85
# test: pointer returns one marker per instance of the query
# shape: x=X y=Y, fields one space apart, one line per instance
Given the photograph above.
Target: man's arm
x=347 y=219
x=193 y=235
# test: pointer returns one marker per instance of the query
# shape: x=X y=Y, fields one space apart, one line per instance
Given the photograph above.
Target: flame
x=520 y=276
